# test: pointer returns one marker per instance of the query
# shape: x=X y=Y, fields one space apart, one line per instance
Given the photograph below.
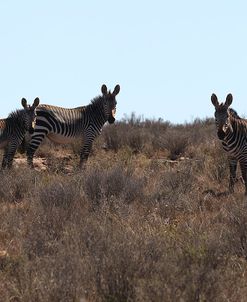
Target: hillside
x=148 y=219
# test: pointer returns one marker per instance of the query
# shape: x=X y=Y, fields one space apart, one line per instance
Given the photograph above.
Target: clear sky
x=167 y=56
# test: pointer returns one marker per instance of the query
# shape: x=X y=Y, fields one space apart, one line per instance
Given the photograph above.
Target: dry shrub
x=149 y=136
x=192 y=269
x=112 y=139
x=125 y=136
x=200 y=131
x=136 y=140
x=216 y=163
x=176 y=143
x=45 y=279
x=59 y=193
x=16 y=184
x=137 y=230
x=112 y=184
x=236 y=231
x=172 y=192
x=111 y=251
x=135 y=133
x=53 y=208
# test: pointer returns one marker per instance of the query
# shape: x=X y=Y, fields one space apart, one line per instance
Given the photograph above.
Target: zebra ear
x=214 y=100
x=228 y=100
x=116 y=90
x=24 y=103
x=104 y=89
x=35 y=103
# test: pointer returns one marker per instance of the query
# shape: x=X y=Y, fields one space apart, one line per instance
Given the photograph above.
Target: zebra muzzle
x=111 y=119
x=221 y=134
x=113 y=113
x=31 y=130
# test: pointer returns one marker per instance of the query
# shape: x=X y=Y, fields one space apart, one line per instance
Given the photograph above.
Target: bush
x=111 y=185
x=135 y=133
x=176 y=143
x=16 y=185
x=133 y=225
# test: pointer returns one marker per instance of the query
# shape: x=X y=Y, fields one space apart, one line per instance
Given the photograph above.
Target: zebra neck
x=97 y=114
x=231 y=132
x=15 y=123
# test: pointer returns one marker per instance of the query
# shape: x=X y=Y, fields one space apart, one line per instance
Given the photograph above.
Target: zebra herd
x=59 y=124
x=63 y=125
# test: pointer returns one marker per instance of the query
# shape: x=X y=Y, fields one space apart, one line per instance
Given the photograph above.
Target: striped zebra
x=14 y=128
x=62 y=125
x=232 y=131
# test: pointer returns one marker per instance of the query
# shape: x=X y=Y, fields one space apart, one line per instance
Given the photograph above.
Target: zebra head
x=30 y=114
x=110 y=103
x=222 y=115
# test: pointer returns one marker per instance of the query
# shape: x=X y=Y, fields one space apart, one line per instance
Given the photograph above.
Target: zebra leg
x=30 y=154
x=32 y=148
x=10 y=159
x=85 y=153
x=233 y=168
x=9 y=153
x=243 y=166
x=86 y=149
x=5 y=158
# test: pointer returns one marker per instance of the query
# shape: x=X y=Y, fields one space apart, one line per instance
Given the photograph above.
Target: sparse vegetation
x=144 y=221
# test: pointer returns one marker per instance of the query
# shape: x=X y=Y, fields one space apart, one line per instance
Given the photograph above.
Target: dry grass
x=143 y=221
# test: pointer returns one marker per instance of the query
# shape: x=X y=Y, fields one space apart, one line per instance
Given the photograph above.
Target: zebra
x=62 y=125
x=14 y=128
x=232 y=132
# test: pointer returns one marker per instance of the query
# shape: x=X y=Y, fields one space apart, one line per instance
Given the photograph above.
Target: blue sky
x=167 y=56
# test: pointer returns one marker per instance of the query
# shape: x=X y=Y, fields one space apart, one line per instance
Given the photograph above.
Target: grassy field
x=146 y=220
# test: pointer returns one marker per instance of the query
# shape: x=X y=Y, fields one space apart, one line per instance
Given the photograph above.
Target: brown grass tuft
x=146 y=220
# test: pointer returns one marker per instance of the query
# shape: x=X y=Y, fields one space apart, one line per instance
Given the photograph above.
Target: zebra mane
x=16 y=114
x=16 y=117
x=96 y=102
x=234 y=113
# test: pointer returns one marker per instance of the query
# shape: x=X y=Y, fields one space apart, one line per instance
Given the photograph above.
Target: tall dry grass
x=143 y=222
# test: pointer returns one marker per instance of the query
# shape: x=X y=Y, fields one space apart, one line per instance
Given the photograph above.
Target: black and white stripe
x=63 y=125
x=14 y=128
x=232 y=131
